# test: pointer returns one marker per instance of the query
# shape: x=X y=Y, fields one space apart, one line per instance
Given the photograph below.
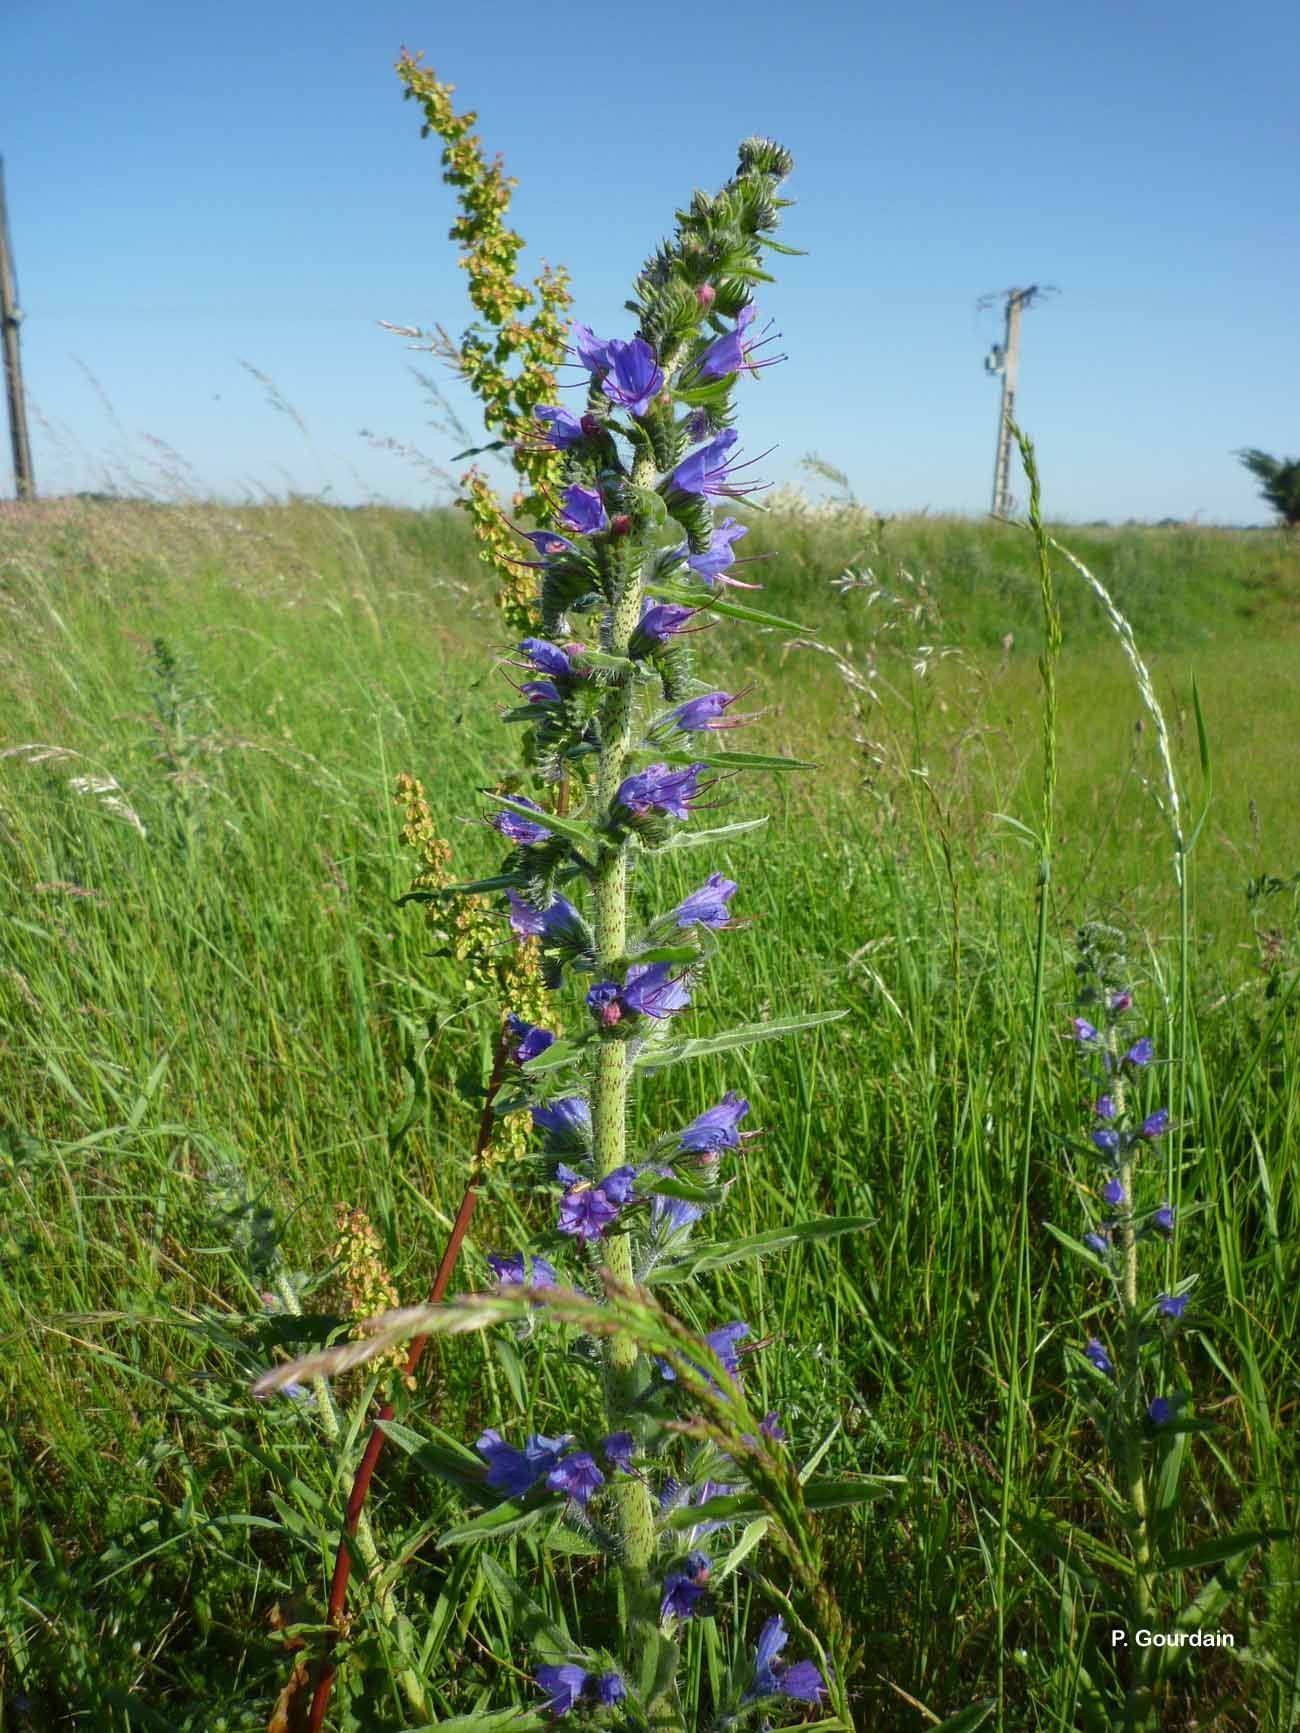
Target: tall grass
x=206 y=1008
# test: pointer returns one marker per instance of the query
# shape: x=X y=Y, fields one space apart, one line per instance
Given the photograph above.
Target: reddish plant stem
x=375 y=1443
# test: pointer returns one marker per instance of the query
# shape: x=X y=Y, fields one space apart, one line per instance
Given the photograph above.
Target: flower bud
x=706 y=295
x=590 y=425
x=620 y=525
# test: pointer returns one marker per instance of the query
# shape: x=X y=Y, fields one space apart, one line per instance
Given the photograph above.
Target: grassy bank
x=207 y=994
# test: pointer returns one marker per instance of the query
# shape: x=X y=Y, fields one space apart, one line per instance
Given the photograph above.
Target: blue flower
x=660 y=790
x=517 y=1271
x=619 y=1449
x=1084 y=1031
x=1160 y=1409
x=723 y=1343
x=1112 y=1193
x=706 y=714
x=680 y=1595
x=1141 y=1052
x=773 y=1677
x=1105 y=1108
x=726 y=354
x=706 y=907
x=576 y=1475
x=585 y=1212
x=1172 y=1305
x=541 y=692
x=634 y=379
x=564 y=1686
x=564 y=430
x=566 y=1123
x=658 y=623
x=1162 y=1219
x=547 y=658
x=610 y=1689
x=1107 y=1141
x=593 y=352
x=1155 y=1124
x=558 y=924
x=1098 y=1357
x=584 y=510
x=650 y=990
x=673 y=1215
x=513 y=1471
x=529 y=1038
x=522 y=831
x=1120 y=1002
x=716 y=1128
x=1099 y=1243
x=706 y=473
x=710 y=566
x=552 y=546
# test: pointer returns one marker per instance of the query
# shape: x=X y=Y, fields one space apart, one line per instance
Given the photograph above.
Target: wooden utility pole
x=10 y=319
x=1004 y=358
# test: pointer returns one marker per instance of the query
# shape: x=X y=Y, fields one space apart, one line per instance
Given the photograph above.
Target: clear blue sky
x=195 y=186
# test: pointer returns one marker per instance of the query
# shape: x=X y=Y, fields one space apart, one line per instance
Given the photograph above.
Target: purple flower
x=603 y=1003
x=619 y=1448
x=530 y=1039
x=516 y=1271
x=680 y=1595
x=1112 y=1193
x=619 y=1185
x=1160 y=1409
x=1099 y=1243
x=634 y=380
x=705 y=472
x=547 y=658
x=1084 y=1031
x=610 y=1689
x=541 y=691
x=710 y=566
x=650 y=990
x=1098 y=1357
x=658 y=789
x=706 y=713
x=1106 y=1141
x=1162 y=1219
x=514 y=1471
x=550 y=545
x=706 y=907
x=1120 y=1002
x=559 y=923
x=563 y=428
x=584 y=510
x=1105 y=1108
x=726 y=354
x=770 y=1426
x=576 y=1475
x=566 y=1123
x=1155 y=1124
x=522 y=831
x=723 y=1343
x=672 y=1215
x=564 y=1686
x=657 y=625
x=716 y=1127
x=1172 y=1305
x=1141 y=1052
x=585 y=1212
x=592 y=351
x=773 y=1677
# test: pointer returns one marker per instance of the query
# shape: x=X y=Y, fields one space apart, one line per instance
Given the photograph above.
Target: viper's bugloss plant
x=656 y=1489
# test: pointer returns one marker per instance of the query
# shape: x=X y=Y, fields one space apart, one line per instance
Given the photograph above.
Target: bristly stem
x=636 y=1515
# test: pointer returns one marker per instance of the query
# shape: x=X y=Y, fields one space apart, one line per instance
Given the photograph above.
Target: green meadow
x=213 y=1013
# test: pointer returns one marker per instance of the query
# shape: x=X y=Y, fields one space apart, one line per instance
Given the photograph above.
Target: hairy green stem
x=636 y=1511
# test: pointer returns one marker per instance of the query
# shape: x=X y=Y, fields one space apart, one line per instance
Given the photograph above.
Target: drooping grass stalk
x=1015 y=1394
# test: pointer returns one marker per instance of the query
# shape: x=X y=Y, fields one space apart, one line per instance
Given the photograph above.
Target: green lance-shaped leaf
x=701 y=1259
x=825 y=1495
x=1077 y=1249
x=726 y=760
x=490 y=1721
x=706 y=838
x=655 y=1058
x=688 y=598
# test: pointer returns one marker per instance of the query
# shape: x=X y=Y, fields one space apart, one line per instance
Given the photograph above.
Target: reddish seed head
x=620 y=525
